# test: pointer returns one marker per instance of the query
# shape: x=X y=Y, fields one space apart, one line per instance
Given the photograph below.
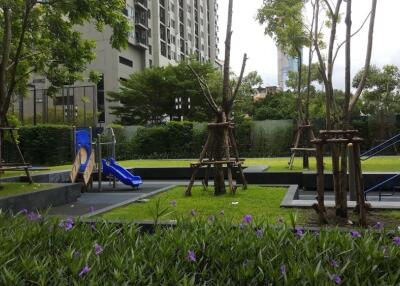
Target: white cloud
x=248 y=37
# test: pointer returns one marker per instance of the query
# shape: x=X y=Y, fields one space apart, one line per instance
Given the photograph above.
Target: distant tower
x=285 y=64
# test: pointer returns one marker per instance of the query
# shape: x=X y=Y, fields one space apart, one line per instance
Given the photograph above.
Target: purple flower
x=283 y=269
x=193 y=212
x=334 y=263
x=355 y=233
x=299 y=232
x=32 y=216
x=378 y=225
x=98 y=249
x=336 y=278
x=68 y=224
x=23 y=211
x=191 y=256
x=173 y=203
x=77 y=253
x=84 y=271
x=247 y=219
x=396 y=240
x=260 y=233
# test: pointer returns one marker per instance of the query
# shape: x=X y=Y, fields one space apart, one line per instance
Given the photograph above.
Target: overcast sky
x=248 y=37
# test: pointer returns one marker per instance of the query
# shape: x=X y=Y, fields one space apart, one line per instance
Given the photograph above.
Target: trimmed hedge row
x=52 y=144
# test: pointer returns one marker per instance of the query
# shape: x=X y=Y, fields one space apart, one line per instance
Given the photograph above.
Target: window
x=149 y=33
x=189 y=9
x=163 y=49
x=190 y=37
x=151 y=63
x=150 y=49
x=122 y=79
x=125 y=61
x=173 y=24
x=149 y=14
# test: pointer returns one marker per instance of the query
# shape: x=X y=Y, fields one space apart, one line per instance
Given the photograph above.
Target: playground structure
x=89 y=160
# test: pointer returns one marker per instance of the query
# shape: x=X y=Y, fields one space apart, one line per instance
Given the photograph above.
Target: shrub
x=49 y=252
x=44 y=144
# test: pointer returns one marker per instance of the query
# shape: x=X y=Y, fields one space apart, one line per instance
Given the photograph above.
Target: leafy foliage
x=50 y=252
x=42 y=38
x=150 y=95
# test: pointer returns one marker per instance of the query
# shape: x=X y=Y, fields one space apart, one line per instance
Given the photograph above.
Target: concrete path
x=94 y=202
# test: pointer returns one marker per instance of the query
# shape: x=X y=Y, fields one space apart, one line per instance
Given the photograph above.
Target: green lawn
x=261 y=202
x=10 y=189
x=383 y=164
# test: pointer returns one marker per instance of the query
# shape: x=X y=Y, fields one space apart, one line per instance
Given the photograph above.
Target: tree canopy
x=40 y=37
x=150 y=95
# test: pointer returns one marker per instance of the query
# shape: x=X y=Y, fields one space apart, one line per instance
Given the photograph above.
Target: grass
x=10 y=189
x=376 y=164
x=261 y=202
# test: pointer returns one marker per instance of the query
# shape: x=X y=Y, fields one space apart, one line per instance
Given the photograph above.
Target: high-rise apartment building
x=163 y=32
x=285 y=65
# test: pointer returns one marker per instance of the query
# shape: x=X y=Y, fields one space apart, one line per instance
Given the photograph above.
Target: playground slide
x=122 y=174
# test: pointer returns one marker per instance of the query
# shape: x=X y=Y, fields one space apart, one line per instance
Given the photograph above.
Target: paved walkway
x=96 y=201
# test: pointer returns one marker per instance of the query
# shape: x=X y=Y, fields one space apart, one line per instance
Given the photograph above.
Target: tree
x=149 y=95
x=326 y=64
x=244 y=100
x=285 y=24
x=39 y=37
x=220 y=131
x=281 y=105
x=380 y=97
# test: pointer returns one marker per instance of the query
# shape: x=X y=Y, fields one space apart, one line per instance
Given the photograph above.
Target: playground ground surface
x=375 y=164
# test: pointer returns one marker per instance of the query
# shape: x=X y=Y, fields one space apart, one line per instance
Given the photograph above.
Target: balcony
x=142 y=4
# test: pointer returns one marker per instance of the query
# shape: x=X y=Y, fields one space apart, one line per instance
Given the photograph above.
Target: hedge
x=43 y=145
x=51 y=144
x=51 y=252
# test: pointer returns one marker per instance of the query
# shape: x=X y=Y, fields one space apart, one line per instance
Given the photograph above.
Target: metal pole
x=73 y=143
x=99 y=160
x=34 y=105
x=94 y=106
x=114 y=142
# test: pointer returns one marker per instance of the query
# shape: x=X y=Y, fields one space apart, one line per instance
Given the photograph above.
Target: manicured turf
x=261 y=202
x=376 y=164
x=10 y=189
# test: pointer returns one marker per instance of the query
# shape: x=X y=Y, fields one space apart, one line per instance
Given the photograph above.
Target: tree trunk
x=219 y=152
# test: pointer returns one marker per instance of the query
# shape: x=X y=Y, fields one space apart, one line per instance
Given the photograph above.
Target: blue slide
x=122 y=174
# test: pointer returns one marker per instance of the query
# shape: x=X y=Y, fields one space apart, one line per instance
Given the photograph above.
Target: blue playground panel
x=83 y=140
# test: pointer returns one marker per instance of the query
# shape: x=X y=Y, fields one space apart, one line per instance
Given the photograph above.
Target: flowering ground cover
x=262 y=202
x=10 y=189
x=35 y=251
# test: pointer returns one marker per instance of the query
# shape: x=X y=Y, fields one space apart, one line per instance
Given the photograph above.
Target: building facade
x=163 y=32
x=285 y=65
